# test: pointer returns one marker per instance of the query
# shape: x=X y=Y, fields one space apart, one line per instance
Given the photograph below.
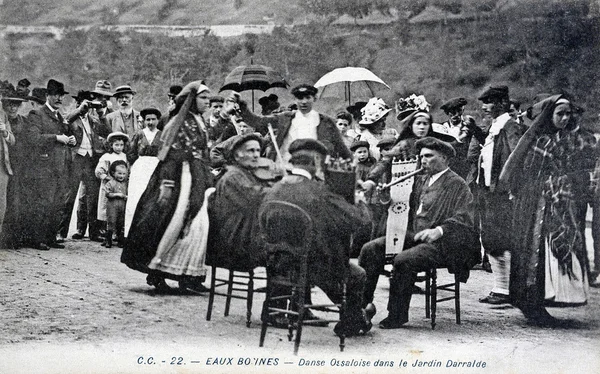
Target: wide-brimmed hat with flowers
x=411 y=104
x=375 y=110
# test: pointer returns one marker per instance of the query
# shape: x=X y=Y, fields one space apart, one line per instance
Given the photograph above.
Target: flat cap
x=386 y=140
x=307 y=145
x=239 y=140
x=304 y=90
x=453 y=104
x=494 y=92
x=436 y=145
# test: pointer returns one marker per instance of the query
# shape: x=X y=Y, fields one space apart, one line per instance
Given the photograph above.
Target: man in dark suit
x=89 y=131
x=494 y=206
x=334 y=220
x=441 y=232
x=51 y=138
x=304 y=123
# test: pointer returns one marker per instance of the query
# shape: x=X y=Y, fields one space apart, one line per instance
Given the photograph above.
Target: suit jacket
x=100 y=130
x=116 y=123
x=49 y=155
x=327 y=131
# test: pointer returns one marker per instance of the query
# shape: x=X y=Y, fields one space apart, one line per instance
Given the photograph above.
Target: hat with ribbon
x=375 y=110
x=304 y=90
x=408 y=105
x=123 y=90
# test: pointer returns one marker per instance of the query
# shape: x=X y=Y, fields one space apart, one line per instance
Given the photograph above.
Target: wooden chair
x=240 y=285
x=431 y=295
x=288 y=229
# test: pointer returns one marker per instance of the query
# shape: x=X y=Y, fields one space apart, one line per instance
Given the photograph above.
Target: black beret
x=360 y=143
x=304 y=90
x=263 y=100
x=307 y=145
x=453 y=104
x=436 y=145
x=146 y=111
x=239 y=140
x=494 y=92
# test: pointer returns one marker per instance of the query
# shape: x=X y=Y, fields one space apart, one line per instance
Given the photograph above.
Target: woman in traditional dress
x=142 y=156
x=167 y=237
x=549 y=173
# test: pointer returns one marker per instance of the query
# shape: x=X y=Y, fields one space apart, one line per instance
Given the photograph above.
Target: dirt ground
x=78 y=309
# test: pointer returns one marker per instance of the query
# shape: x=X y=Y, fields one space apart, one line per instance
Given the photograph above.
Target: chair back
x=283 y=222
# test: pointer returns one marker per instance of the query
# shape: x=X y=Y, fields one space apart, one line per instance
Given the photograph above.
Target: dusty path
x=79 y=310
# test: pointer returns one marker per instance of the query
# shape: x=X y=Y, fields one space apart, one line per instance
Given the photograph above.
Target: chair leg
x=427 y=294
x=290 y=307
x=211 y=295
x=229 y=293
x=342 y=314
x=457 y=299
x=264 y=315
x=301 y=310
x=433 y=297
x=249 y=298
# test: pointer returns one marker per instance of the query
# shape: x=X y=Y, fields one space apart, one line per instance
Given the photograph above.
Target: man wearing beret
x=334 y=220
x=51 y=136
x=441 y=232
x=494 y=206
x=124 y=119
x=90 y=128
x=304 y=123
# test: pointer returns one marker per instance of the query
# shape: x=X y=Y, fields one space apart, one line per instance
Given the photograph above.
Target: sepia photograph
x=300 y=186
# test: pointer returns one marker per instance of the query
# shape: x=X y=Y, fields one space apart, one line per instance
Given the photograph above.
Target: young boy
x=116 y=197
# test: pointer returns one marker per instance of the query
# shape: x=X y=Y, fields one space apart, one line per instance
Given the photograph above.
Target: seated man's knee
x=372 y=252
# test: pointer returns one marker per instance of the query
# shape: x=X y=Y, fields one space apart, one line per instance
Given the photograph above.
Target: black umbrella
x=253 y=77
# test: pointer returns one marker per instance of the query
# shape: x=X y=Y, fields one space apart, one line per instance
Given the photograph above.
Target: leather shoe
x=389 y=323
x=77 y=236
x=42 y=247
x=55 y=245
x=370 y=310
x=495 y=299
x=596 y=282
x=60 y=239
x=97 y=239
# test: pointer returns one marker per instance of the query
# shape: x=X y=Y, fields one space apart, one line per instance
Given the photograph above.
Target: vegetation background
x=439 y=48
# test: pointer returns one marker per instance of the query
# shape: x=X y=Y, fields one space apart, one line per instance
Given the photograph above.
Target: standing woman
x=549 y=173
x=142 y=156
x=11 y=101
x=158 y=242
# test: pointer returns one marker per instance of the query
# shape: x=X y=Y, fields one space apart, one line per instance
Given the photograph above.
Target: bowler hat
x=144 y=112
x=304 y=90
x=453 y=104
x=360 y=143
x=494 y=93
x=122 y=90
x=82 y=95
x=55 y=87
x=38 y=94
x=103 y=87
x=432 y=143
x=307 y=145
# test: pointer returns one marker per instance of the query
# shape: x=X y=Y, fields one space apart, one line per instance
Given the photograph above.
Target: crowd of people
x=183 y=189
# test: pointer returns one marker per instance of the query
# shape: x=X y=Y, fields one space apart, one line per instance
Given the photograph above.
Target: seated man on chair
x=440 y=234
x=334 y=220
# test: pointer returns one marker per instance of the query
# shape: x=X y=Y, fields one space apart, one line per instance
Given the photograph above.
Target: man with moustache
x=441 y=232
x=124 y=119
x=51 y=136
x=90 y=128
x=494 y=206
